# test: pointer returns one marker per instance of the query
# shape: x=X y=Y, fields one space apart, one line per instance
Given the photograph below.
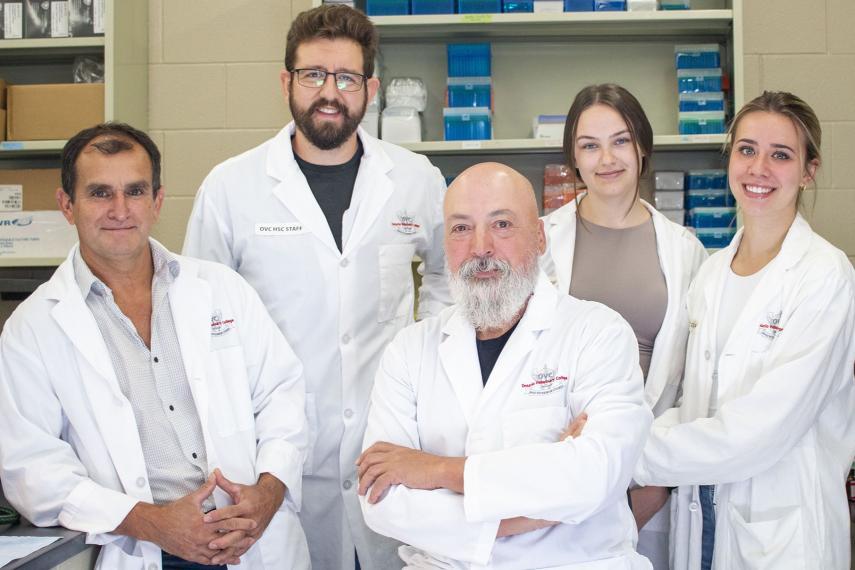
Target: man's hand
x=646 y=502
x=520 y=525
x=574 y=430
x=385 y=464
x=178 y=528
x=257 y=503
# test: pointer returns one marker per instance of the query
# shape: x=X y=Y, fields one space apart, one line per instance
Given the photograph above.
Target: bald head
x=497 y=183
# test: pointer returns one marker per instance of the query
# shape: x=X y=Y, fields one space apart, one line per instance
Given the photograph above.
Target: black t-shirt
x=489 y=351
x=333 y=188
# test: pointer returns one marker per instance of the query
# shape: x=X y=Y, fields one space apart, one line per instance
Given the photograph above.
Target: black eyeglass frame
x=296 y=74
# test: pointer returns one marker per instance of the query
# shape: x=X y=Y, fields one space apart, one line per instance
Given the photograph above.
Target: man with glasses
x=324 y=221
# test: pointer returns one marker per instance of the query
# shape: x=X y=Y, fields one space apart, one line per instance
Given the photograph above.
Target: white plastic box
x=35 y=234
x=401 y=125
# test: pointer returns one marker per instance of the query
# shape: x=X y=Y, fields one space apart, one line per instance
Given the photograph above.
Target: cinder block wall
x=214 y=90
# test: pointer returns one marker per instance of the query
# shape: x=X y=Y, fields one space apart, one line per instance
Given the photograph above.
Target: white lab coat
x=680 y=256
x=779 y=447
x=70 y=453
x=337 y=309
x=565 y=356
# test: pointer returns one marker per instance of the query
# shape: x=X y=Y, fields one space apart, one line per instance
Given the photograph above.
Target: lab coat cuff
x=285 y=462
x=95 y=509
x=472 y=500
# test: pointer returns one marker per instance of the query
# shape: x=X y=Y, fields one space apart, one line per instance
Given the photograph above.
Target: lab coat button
x=345 y=339
x=343 y=263
x=693 y=506
x=707 y=354
x=140 y=481
x=348 y=413
x=347 y=485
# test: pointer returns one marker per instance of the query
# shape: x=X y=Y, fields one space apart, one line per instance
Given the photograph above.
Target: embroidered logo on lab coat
x=219 y=325
x=771 y=328
x=544 y=381
x=405 y=223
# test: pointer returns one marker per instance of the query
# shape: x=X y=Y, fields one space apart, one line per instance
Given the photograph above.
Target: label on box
x=35 y=234
x=13 y=21
x=98 y=17
x=11 y=197
x=59 y=19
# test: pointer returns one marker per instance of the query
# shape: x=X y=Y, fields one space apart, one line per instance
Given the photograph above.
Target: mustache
x=337 y=105
x=477 y=264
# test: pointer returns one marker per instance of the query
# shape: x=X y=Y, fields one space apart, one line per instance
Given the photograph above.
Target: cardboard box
x=35 y=234
x=2 y=93
x=45 y=18
x=38 y=184
x=53 y=111
x=2 y=125
x=12 y=21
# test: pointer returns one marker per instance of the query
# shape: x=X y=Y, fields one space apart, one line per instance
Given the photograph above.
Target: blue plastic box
x=701 y=101
x=517 y=5
x=697 y=56
x=715 y=238
x=479 y=6
x=698 y=80
x=609 y=5
x=712 y=217
x=433 y=6
x=706 y=179
x=578 y=5
x=701 y=123
x=468 y=60
x=471 y=124
x=387 y=7
x=675 y=5
x=470 y=92
x=708 y=198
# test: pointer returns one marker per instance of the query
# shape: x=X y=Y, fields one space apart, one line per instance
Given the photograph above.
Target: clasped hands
x=385 y=464
x=220 y=536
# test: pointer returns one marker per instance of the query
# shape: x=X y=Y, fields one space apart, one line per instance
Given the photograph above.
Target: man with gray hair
x=467 y=456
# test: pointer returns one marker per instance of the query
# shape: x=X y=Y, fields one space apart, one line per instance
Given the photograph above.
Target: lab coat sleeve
x=431 y=520
x=433 y=293
x=42 y=475
x=278 y=397
x=209 y=230
x=749 y=434
x=572 y=480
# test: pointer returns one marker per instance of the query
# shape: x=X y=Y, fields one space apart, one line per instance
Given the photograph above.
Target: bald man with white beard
x=474 y=455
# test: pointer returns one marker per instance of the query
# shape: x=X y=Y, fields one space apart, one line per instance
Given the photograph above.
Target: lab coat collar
x=562 y=243
x=459 y=356
x=796 y=244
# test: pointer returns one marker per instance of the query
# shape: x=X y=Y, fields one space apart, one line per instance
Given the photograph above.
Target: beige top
x=620 y=269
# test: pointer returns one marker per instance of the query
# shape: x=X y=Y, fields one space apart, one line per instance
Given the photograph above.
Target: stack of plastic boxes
x=711 y=207
x=699 y=82
x=468 y=114
x=669 y=194
x=594 y=5
x=387 y=7
x=559 y=187
x=675 y=4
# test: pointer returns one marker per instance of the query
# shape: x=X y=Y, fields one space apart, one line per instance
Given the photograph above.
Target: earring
x=802 y=188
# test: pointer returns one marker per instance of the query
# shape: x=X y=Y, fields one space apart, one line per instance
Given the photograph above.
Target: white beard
x=492 y=303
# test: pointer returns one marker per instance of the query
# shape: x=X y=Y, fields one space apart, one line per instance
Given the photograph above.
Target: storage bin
x=548 y=6
x=708 y=198
x=609 y=5
x=669 y=199
x=517 y=5
x=712 y=217
x=715 y=238
x=469 y=92
x=578 y=5
x=701 y=101
x=433 y=7
x=697 y=56
x=701 y=123
x=675 y=5
x=668 y=180
x=467 y=124
x=706 y=178
x=387 y=7
x=479 y=6
x=468 y=60
x=641 y=5
x=698 y=80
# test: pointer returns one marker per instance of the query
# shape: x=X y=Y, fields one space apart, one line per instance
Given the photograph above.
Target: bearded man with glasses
x=325 y=221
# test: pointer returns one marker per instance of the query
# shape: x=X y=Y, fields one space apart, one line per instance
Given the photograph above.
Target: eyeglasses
x=315 y=79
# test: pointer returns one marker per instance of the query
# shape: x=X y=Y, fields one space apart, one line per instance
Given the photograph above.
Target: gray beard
x=492 y=303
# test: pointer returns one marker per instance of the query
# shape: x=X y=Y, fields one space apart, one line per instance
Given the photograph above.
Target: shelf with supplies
x=11 y=149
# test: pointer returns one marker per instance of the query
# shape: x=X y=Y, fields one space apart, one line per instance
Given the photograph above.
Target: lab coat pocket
x=534 y=425
x=396 y=281
x=312 y=423
x=766 y=544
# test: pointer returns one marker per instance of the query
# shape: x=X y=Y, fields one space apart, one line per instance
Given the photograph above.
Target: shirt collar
x=166 y=268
